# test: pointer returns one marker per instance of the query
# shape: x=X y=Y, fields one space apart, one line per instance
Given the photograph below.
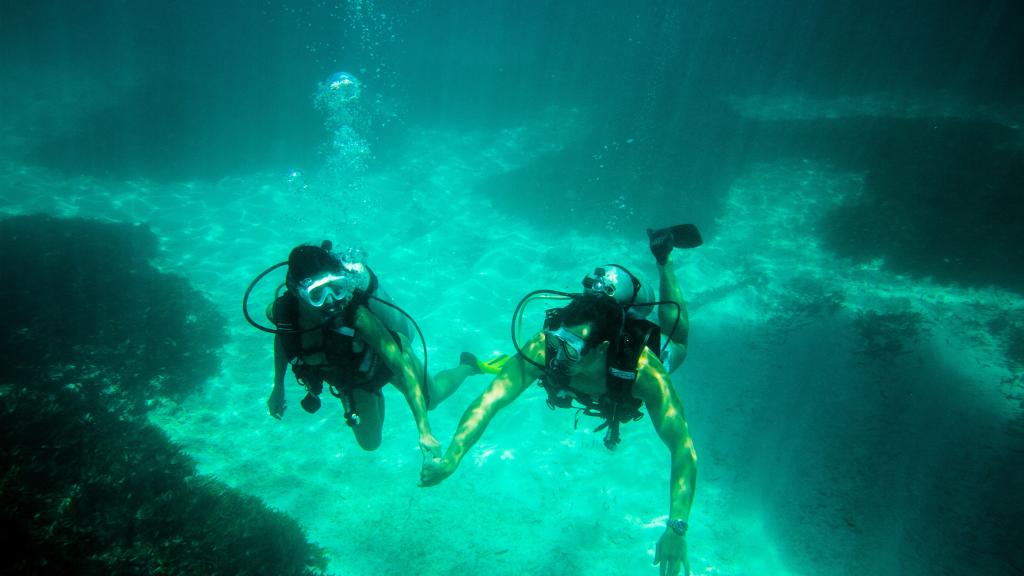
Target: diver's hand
x=435 y=470
x=671 y=554
x=430 y=447
x=276 y=404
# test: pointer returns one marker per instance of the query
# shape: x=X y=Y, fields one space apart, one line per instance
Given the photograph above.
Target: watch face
x=678 y=526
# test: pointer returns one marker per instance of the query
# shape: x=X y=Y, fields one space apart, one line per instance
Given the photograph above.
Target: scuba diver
x=600 y=355
x=336 y=327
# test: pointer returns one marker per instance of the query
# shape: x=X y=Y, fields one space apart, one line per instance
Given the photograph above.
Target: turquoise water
x=850 y=415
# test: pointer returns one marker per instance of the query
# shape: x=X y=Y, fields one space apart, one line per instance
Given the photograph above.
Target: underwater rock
x=95 y=335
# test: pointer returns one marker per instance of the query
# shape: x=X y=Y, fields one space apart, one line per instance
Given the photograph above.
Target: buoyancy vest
x=617 y=404
x=349 y=360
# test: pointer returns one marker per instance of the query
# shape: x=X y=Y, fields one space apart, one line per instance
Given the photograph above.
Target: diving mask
x=332 y=287
x=563 y=349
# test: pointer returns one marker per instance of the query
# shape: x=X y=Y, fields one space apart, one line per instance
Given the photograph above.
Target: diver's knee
x=369 y=443
x=370 y=446
x=370 y=432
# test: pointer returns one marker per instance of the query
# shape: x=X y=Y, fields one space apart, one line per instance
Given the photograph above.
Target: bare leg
x=446 y=382
x=668 y=290
x=370 y=408
x=443 y=384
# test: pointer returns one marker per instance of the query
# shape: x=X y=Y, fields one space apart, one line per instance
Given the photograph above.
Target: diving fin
x=679 y=236
x=491 y=366
x=683 y=235
x=686 y=236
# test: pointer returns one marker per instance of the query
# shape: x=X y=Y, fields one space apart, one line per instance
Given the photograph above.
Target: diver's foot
x=470 y=359
x=661 y=244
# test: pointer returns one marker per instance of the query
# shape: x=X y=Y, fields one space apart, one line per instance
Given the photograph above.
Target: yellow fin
x=493 y=365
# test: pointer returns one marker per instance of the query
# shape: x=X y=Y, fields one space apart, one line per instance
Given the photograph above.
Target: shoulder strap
x=618 y=403
x=624 y=355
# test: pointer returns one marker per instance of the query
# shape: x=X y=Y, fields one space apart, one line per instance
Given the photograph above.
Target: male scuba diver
x=601 y=356
x=337 y=329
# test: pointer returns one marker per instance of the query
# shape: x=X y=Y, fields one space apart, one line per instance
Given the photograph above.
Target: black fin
x=663 y=240
x=686 y=236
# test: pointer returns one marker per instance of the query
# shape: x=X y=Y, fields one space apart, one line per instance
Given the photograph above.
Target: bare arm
x=406 y=377
x=276 y=404
x=515 y=377
x=280 y=363
x=654 y=387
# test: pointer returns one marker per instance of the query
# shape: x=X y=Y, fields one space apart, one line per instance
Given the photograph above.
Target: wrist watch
x=678 y=525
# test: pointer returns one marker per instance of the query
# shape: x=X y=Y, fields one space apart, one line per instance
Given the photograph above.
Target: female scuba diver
x=335 y=326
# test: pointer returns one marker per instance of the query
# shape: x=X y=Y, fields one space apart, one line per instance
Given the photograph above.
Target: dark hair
x=604 y=314
x=306 y=261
